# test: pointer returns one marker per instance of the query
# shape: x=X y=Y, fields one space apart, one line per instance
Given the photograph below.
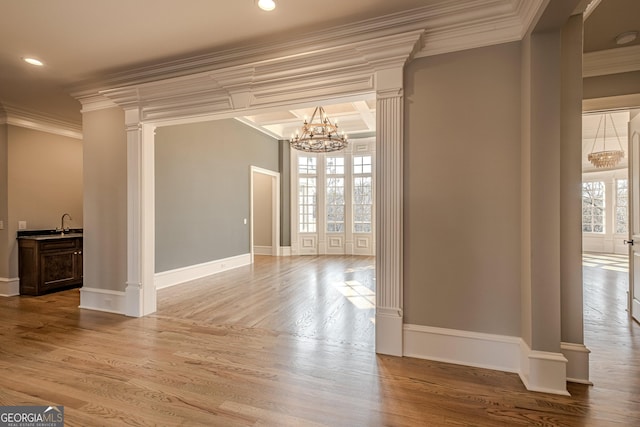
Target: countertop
x=49 y=234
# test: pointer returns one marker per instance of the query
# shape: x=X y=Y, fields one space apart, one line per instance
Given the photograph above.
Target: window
x=622 y=213
x=335 y=194
x=362 y=194
x=593 y=207
x=307 y=201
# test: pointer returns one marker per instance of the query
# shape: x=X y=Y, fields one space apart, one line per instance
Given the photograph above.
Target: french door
x=333 y=201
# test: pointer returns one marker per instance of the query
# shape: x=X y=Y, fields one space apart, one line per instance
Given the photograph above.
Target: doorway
x=265 y=212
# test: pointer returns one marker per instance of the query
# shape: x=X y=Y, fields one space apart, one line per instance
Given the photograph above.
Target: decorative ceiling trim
x=590 y=8
x=621 y=102
x=448 y=26
x=261 y=129
x=482 y=24
x=17 y=116
x=343 y=70
x=96 y=102
x=611 y=61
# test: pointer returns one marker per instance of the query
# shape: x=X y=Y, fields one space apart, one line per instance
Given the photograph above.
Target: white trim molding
x=544 y=371
x=102 y=300
x=577 y=356
x=538 y=371
x=611 y=61
x=177 y=276
x=266 y=73
x=140 y=290
x=262 y=250
x=285 y=251
x=497 y=352
x=9 y=287
x=611 y=103
x=17 y=116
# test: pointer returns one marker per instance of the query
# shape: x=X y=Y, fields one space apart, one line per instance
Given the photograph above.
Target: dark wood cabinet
x=49 y=263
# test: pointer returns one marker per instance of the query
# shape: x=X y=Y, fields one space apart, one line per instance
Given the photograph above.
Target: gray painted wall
x=105 y=199
x=462 y=190
x=202 y=190
x=285 y=193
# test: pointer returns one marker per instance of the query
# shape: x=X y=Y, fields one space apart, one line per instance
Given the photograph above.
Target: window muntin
x=307 y=194
x=334 y=194
x=362 y=194
x=622 y=212
x=593 y=207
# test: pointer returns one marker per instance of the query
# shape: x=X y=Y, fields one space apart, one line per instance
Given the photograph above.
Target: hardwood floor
x=281 y=343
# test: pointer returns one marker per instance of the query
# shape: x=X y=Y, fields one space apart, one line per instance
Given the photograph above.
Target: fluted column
x=389 y=230
x=140 y=291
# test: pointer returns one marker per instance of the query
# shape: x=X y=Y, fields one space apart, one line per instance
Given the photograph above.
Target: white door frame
x=633 y=302
x=275 y=209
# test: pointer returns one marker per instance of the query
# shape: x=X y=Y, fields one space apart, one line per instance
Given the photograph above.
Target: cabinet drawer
x=56 y=245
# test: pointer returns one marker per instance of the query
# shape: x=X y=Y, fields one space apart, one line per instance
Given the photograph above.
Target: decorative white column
x=389 y=211
x=140 y=292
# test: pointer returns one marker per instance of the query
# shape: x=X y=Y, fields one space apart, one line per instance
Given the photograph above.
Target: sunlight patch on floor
x=611 y=262
x=357 y=294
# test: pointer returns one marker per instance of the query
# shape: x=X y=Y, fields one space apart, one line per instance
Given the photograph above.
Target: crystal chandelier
x=319 y=134
x=605 y=158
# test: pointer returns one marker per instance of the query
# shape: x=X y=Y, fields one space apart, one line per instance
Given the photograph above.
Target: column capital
x=389 y=79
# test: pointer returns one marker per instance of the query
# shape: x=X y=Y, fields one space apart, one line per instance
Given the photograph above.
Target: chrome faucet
x=62 y=222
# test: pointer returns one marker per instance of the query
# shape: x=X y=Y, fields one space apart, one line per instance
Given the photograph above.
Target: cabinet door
x=78 y=261
x=58 y=269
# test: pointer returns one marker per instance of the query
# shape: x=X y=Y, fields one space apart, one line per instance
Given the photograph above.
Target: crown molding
x=91 y=101
x=341 y=70
x=611 y=61
x=343 y=62
x=610 y=103
x=478 y=24
x=16 y=116
x=450 y=25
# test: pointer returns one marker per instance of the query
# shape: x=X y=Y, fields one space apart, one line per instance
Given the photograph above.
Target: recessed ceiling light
x=266 y=5
x=627 y=37
x=33 y=61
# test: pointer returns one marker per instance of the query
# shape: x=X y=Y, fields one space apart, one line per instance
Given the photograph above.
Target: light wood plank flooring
x=289 y=342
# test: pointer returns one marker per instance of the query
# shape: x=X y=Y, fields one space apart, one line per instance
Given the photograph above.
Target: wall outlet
x=1 y=225
x=22 y=225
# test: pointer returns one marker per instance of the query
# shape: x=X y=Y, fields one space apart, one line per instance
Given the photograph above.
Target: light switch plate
x=1 y=225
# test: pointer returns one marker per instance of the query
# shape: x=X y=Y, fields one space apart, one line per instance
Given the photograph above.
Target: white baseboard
x=262 y=250
x=577 y=362
x=103 y=300
x=389 y=336
x=9 y=287
x=285 y=250
x=544 y=371
x=539 y=371
x=497 y=352
x=180 y=275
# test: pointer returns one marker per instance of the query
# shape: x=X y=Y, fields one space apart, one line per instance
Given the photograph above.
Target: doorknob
x=629 y=242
